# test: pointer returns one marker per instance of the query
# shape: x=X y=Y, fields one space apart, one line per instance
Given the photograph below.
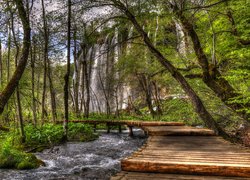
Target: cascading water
x=181 y=44
x=106 y=88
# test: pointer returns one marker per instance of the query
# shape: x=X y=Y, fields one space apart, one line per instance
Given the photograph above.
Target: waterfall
x=130 y=35
x=104 y=81
x=181 y=46
x=156 y=30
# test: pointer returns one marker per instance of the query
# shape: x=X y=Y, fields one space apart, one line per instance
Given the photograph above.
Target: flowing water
x=98 y=159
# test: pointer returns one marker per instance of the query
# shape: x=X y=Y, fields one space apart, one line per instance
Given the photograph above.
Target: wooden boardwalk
x=129 y=123
x=181 y=152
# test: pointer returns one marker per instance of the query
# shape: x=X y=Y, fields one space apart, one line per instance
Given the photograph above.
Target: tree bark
x=33 y=60
x=76 y=80
x=87 y=72
x=13 y=83
x=1 y=65
x=45 y=66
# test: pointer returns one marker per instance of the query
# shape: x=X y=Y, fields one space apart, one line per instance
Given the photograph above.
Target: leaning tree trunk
x=13 y=83
x=195 y=99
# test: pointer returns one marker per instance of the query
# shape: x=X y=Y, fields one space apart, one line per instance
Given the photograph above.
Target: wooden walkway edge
x=181 y=152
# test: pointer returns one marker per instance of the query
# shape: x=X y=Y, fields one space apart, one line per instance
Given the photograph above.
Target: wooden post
x=108 y=126
x=120 y=129
x=94 y=127
x=130 y=131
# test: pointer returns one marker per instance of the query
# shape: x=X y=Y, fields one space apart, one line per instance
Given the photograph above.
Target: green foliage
x=177 y=110
x=81 y=132
x=47 y=134
x=50 y=134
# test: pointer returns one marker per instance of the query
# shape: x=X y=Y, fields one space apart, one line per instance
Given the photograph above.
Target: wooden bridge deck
x=181 y=152
x=129 y=122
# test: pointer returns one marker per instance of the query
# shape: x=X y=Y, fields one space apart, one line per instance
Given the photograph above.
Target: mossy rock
x=26 y=165
x=21 y=161
x=30 y=162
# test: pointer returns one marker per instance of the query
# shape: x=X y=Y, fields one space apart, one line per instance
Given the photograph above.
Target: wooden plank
x=186 y=150
x=125 y=175
x=177 y=131
x=193 y=160
x=186 y=168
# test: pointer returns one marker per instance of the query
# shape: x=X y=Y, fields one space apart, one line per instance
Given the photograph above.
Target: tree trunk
x=196 y=101
x=66 y=77
x=52 y=92
x=8 y=53
x=87 y=72
x=47 y=63
x=146 y=85
x=33 y=60
x=76 y=80
x=13 y=83
x=157 y=98
x=1 y=65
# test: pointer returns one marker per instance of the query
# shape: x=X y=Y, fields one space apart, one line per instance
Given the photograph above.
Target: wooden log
x=125 y=175
x=186 y=168
x=178 y=131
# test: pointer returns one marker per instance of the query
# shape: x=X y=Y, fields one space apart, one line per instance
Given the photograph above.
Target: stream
x=99 y=159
